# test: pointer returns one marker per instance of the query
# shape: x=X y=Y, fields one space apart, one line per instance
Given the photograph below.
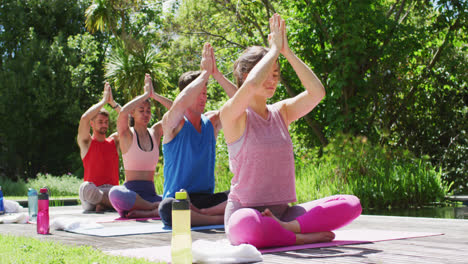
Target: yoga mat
x=343 y=237
x=356 y=236
x=110 y=219
x=137 y=229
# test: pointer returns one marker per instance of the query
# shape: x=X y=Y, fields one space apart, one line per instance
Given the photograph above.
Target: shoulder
x=281 y=108
x=114 y=136
x=156 y=130
x=213 y=117
x=170 y=133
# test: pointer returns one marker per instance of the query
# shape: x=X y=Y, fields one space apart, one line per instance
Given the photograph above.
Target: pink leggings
x=247 y=225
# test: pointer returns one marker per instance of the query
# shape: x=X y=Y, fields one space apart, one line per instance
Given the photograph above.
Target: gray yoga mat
x=137 y=229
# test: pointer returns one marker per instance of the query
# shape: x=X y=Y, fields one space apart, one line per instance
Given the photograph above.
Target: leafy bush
x=11 y=188
x=379 y=176
x=65 y=185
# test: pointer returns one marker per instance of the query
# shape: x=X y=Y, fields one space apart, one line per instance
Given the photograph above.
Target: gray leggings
x=91 y=195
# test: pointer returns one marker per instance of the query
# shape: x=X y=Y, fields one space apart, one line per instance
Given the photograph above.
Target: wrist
x=287 y=53
x=216 y=74
x=275 y=49
x=115 y=106
x=205 y=74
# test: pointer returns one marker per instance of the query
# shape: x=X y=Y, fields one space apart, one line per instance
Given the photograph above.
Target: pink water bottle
x=43 y=212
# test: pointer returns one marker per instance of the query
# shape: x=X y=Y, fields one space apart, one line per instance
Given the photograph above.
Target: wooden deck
x=449 y=248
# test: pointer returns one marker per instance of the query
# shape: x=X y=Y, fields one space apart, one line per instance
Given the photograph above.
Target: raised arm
x=227 y=85
x=116 y=106
x=300 y=105
x=84 y=137
x=232 y=114
x=112 y=102
x=185 y=99
x=122 y=121
x=166 y=102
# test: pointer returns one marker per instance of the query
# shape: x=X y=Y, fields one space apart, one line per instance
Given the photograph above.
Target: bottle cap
x=43 y=190
x=181 y=195
x=31 y=191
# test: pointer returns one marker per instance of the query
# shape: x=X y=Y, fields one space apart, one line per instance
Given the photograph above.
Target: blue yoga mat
x=137 y=229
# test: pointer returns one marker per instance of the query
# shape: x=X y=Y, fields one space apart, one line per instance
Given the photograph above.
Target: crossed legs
x=304 y=223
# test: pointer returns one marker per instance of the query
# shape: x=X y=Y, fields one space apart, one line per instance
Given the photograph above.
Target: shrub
x=65 y=185
x=379 y=176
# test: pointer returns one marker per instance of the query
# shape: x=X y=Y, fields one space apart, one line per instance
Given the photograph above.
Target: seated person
x=261 y=154
x=189 y=146
x=99 y=154
x=140 y=153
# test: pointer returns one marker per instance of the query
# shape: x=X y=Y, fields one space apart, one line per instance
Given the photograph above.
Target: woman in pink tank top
x=261 y=154
x=139 y=146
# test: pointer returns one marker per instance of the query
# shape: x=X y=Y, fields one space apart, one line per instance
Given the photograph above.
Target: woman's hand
x=275 y=38
x=284 y=33
x=148 y=88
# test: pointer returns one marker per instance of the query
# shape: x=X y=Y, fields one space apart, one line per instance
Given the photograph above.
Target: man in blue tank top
x=189 y=146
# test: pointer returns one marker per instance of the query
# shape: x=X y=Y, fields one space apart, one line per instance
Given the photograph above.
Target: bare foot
x=195 y=209
x=296 y=228
x=142 y=213
x=214 y=210
x=314 y=237
x=155 y=206
x=291 y=226
x=206 y=211
x=100 y=208
x=198 y=219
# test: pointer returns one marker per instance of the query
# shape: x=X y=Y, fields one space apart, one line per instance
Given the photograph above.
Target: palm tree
x=126 y=69
x=101 y=15
x=110 y=15
x=130 y=58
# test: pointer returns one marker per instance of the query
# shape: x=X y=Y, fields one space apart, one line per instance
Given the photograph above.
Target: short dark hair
x=186 y=78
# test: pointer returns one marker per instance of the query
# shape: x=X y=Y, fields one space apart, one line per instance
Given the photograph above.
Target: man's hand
x=207 y=58
x=107 y=95
x=213 y=59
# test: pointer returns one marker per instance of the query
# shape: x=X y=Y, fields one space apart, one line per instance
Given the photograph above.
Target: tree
x=390 y=68
x=134 y=52
x=126 y=70
x=50 y=73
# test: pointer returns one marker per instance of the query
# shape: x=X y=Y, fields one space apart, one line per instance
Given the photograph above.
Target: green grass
x=18 y=250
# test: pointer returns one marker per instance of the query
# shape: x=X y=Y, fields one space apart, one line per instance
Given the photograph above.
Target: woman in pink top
x=139 y=146
x=261 y=154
